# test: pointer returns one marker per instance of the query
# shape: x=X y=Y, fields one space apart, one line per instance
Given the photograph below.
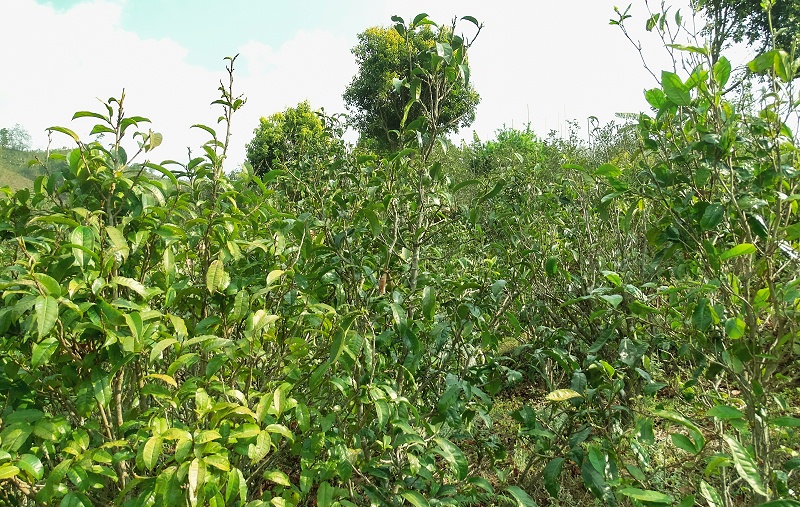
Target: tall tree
x=285 y=137
x=749 y=20
x=387 y=56
x=15 y=138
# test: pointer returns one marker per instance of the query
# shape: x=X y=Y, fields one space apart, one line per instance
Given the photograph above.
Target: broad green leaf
x=551 y=474
x=46 y=314
x=32 y=465
x=49 y=284
x=195 y=477
x=159 y=347
x=167 y=379
x=608 y=171
x=793 y=232
x=551 y=266
x=415 y=499
x=453 y=455
x=217 y=279
x=274 y=275
x=562 y=395
x=82 y=236
x=449 y=397
x=674 y=89
x=206 y=436
x=382 y=411
x=744 y=464
x=612 y=299
x=763 y=62
x=152 y=451
x=738 y=250
x=42 y=351
x=428 y=302
x=711 y=495
x=701 y=316
x=712 y=216
x=324 y=495
x=724 y=412
x=278 y=477
x=130 y=283
x=482 y=483
x=237 y=486
x=522 y=498
x=646 y=495
x=118 y=242
x=8 y=471
x=596 y=484
x=722 y=71
x=66 y=131
x=493 y=192
x=734 y=328
x=684 y=442
x=785 y=422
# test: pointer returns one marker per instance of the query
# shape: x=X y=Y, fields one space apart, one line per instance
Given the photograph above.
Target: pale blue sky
x=537 y=61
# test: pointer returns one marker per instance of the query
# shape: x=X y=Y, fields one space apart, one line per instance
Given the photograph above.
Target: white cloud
x=71 y=57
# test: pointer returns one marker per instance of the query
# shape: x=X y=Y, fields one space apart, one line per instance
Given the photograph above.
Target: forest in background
x=518 y=321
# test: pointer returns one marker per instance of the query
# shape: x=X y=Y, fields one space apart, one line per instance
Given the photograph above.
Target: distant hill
x=14 y=169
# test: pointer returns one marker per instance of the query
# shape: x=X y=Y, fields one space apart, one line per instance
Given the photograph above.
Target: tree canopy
x=15 y=138
x=377 y=107
x=285 y=137
x=747 y=20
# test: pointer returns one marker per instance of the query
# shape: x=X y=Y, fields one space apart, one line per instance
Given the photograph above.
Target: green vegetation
x=517 y=321
x=401 y=62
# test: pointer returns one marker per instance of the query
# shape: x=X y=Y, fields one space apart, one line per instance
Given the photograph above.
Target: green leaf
x=684 y=442
x=674 y=89
x=8 y=471
x=551 y=266
x=646 y=495
x=42 y=351
x=608 y=171
x=722 y=71
x=428 y=302
x=522 y=498
x=217 y=279
x=130 y=283
x=159 y=347
x=562 y=395
x=324 y=495
x=734 y=328
x=151 y=452
x=32 y=465
x=493 y=192
x=471 y=20
x=793 y=232
x=743 y=249
x=724 y=412
x=712 y=216
x=551 y=473
x=82 y=236
x=66 y=131
x=784 y=502
x=744 y=464
x=785 y=422
x=278 y=477
x=274 y=275
x=701 y=316
x=49 y=284
x=594 y=481
x=711 y=495
x=415 y=499
x=763 y=62
x=46 y=314
x=453 y=455
x=612 y=299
